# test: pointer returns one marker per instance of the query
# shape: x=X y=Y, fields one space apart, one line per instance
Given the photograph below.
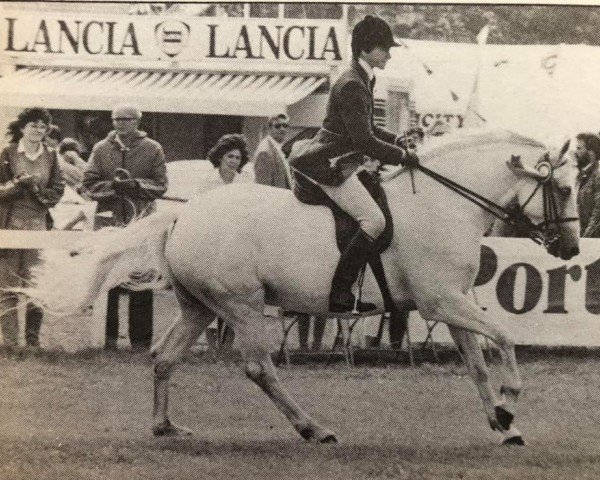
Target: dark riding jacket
x=348 y=133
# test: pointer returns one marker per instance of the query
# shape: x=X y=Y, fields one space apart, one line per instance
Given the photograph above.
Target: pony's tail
x=68 y=281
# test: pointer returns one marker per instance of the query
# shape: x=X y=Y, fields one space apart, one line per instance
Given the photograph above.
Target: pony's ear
x=516 y=166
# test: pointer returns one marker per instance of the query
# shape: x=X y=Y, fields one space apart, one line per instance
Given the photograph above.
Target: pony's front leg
x=457 y=310
x=476 y=367
x=169 y=351
x=260 y=369
x=474 y=360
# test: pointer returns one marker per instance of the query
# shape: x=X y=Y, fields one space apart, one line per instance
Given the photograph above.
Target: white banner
x=542 y=300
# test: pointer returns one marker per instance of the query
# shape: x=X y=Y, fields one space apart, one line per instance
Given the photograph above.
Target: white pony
x=236 y=248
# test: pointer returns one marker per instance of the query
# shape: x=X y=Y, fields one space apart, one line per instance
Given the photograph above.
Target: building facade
x=195 y=77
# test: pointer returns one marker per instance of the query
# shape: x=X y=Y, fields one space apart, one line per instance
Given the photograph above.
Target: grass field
x=87 y=416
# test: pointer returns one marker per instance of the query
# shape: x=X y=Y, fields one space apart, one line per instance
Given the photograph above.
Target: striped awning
x=243 y=94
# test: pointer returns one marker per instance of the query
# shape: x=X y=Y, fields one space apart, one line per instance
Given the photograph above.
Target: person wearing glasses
x=329 y=161
x=125 y=173
x=30 y=184
x=270 y=165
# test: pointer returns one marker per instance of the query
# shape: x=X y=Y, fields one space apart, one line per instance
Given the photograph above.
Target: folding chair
x=286 y=326
x=343 y=337
x=429 y=339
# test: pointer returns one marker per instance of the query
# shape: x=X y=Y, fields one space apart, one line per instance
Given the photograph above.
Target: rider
x=348 y=133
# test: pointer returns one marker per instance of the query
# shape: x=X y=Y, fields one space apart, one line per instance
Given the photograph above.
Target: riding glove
x=410 y=159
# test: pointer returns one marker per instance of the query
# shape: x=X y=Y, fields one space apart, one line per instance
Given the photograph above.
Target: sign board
x=540 y=299
x=113 y=38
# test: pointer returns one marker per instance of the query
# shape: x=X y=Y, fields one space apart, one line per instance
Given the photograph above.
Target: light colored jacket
x=269 y=166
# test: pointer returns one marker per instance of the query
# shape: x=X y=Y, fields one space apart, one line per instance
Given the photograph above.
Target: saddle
x=345 y=226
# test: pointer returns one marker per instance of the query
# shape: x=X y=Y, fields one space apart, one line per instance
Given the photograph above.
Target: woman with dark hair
x=228 y=156
x=30 y=184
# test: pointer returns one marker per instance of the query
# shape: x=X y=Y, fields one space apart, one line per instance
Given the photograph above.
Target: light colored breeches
x=352 y=197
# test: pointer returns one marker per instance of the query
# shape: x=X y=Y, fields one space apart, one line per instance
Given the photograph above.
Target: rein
x=544 y=233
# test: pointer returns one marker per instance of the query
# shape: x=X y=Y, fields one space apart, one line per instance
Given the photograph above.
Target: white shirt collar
x=35 y=156
x=367 y=68
x=276 y=144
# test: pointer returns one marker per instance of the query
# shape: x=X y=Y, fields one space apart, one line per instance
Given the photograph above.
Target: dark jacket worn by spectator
x=589 y=201
x=144 y=160
x=25 y=206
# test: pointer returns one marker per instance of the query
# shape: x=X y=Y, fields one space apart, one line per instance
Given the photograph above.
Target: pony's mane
x=438 y=147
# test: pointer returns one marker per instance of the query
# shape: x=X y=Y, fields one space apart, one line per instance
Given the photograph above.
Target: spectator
x=126 y=172
x=30 y=183
x=53 y=136
x=588 y=154
x=71 y=164
x=228 y=156
x=271 y=168
x=270 y=165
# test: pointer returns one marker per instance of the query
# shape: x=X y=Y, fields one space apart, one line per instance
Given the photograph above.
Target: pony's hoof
x=318 y=435
x=516 y=440
x=330 y=438
x=168 y=429
x=504 y=417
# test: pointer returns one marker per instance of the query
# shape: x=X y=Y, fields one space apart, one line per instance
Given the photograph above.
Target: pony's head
x=547 y=195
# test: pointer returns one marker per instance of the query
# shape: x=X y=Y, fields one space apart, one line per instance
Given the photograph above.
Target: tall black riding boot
x=351 y=261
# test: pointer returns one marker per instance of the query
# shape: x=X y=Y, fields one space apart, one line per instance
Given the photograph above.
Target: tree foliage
x=534 y=24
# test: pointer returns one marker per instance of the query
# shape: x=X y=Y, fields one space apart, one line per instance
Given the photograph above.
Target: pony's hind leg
x=192 y=321
x=259 y=368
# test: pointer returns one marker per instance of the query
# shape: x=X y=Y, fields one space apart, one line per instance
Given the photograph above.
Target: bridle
x=545 y=233
x=550 y=227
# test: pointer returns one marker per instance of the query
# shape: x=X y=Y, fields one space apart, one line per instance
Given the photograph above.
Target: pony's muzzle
x=567 y=254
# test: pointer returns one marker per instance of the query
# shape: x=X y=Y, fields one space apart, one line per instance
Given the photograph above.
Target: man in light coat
x=270 y=165
x=126 y=172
